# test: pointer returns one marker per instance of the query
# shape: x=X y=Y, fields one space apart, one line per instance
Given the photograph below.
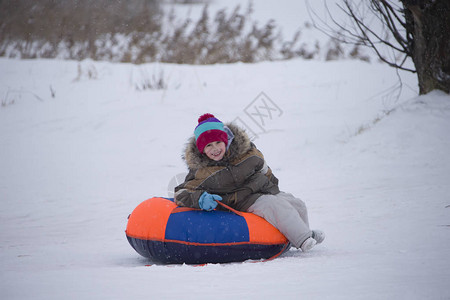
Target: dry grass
x=138 y=31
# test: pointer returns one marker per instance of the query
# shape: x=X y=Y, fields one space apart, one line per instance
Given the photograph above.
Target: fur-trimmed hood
x=239 y=144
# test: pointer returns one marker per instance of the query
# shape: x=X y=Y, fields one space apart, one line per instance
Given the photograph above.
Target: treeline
x=140 y=31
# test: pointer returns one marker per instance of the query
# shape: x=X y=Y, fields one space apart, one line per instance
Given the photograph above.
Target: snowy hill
x=83 y=143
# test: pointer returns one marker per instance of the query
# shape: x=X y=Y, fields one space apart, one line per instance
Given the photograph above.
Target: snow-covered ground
x=83 y=143
x=373 y=169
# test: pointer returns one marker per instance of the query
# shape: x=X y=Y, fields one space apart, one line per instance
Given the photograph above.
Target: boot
x=308 y=244
x=318 y=235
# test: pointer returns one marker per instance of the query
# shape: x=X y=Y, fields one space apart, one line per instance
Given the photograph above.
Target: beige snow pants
x=285 y=212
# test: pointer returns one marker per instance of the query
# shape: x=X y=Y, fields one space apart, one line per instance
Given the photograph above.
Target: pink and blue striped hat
x=208 y=130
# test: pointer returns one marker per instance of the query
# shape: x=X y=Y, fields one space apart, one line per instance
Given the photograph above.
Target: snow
x=369 y=159
x=372 y=168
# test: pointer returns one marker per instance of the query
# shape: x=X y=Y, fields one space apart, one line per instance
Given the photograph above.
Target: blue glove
x=208 y=202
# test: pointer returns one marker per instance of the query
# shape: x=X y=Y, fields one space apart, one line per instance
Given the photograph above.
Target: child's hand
x=208 y=202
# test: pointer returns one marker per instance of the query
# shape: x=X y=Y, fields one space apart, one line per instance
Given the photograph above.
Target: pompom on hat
x=208 y=130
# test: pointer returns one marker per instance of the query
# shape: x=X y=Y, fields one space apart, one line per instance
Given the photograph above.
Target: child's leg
x=298 y=204
x=281 y=214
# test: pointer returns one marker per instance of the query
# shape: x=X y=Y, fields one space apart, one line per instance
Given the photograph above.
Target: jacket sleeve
x=266 y=170
x=185 y=194
x=271 y=176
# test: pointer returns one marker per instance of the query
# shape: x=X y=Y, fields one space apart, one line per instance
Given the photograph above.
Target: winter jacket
x=240 y=177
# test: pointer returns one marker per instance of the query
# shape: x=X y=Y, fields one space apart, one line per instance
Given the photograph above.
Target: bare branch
x=361 y=33
x=363 y=28
x=386 y=13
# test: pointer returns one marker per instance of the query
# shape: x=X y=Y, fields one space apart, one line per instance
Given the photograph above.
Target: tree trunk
x=428 y=31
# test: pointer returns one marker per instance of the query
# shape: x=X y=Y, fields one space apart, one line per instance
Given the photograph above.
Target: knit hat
x=208 y=130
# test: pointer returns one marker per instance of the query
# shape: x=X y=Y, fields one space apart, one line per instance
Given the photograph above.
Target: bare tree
x=416 y=29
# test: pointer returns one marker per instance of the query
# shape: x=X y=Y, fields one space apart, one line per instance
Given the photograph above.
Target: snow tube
x=166 y=233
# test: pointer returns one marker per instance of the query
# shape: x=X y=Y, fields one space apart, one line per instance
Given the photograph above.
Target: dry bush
x=138 y=31
x=72 y=29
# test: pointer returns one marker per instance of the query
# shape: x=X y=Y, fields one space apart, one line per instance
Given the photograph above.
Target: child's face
x=215 y=150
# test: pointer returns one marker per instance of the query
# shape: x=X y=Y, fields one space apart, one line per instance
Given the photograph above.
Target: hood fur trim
x=240 y=146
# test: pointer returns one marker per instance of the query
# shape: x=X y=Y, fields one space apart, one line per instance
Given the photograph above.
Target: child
x=225 y=166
